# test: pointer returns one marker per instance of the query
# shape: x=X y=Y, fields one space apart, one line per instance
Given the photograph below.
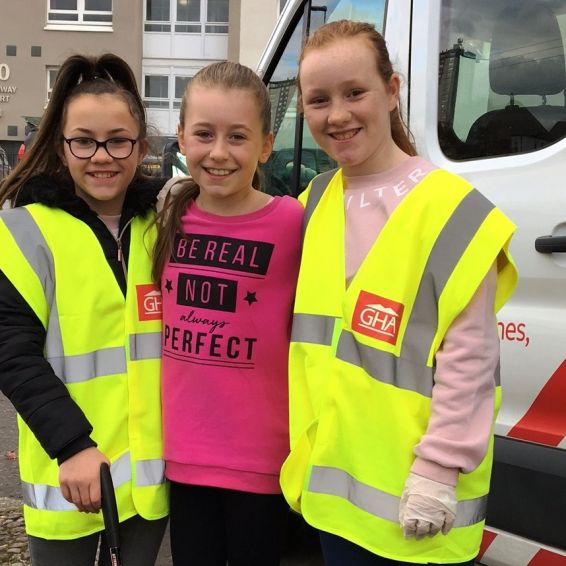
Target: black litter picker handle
x=110 y=514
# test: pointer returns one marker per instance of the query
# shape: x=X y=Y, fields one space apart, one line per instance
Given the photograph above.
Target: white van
x=484 y=96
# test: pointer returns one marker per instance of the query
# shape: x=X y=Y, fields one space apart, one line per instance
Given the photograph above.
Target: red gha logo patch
x=149 y=302
x=377 y=317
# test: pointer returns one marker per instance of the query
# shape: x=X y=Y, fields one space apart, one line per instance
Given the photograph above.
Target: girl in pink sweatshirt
x=227 y=259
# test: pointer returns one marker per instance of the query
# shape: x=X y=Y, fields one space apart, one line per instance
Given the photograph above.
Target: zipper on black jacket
x=120 y=251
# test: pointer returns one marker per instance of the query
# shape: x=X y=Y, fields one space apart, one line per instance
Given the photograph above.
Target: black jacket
x=26 y=378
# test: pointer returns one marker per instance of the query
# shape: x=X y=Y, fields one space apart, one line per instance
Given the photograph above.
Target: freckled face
x=347 y=104
x=101 y=181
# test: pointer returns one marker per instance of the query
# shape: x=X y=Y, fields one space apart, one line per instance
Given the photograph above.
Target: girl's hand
x=79 y=477
x=426 y=507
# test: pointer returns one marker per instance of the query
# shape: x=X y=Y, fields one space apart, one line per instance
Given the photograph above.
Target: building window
x=82 y=12
x=180 y=86
x=156 y=91
x=36 y=50
x=217 y=16
x=157 y=15
x=51 y=76
x=188 y=16
x=12 y=130
x=11 y=50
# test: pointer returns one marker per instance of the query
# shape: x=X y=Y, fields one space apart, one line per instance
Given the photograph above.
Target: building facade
x=165 y=42
x=182 y=36
x=36 y=36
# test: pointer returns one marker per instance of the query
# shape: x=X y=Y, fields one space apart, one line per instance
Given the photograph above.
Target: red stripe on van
x=486 y=540
x=545 y=421
x=546 y=558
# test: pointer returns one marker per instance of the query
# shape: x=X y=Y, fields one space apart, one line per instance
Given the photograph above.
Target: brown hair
x=79 y=74
x=226 y=75
x=344 y=29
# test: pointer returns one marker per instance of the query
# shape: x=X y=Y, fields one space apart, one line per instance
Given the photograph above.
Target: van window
x=501 y=77
x=283 y=91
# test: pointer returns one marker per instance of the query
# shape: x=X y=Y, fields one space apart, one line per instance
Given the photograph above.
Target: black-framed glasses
x=85 y=148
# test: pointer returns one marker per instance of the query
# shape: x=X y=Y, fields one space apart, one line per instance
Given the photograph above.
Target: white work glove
x=426 y=507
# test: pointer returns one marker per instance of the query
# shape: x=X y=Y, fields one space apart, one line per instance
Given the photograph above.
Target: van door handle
x=550 y=244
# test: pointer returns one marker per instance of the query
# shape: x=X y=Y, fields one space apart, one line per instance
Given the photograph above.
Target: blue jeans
x=341 y=552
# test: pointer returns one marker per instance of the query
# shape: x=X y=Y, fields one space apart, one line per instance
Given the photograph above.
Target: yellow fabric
x=341 y=417
x=124 y=409
x=22 y=275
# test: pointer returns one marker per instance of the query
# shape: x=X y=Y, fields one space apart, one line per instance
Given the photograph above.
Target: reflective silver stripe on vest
x=145 y=346
x=73 y=369
x=386 y=367
x=318 y=186
x=69 y=369
x=46 y=497
x=410 y=371
x=150 y=472
x=313 y=328
x=333 y=481
x=33 y=246
x=449 y=247
x=35 y=249
x=82 y=367
x=50 y=498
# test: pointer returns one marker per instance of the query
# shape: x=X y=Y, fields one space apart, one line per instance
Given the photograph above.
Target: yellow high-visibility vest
x=362 y=360
x=107 y=351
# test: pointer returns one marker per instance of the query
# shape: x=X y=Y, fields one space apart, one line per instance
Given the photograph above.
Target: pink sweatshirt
x=228 y=297
x=463 y=395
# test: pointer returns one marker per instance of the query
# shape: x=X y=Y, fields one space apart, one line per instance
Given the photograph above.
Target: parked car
x=151 y=165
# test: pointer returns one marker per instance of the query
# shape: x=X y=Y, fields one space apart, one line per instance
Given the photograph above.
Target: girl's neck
x=388 y=156
x=101 y=207
x=233 y=205
x=112 y=222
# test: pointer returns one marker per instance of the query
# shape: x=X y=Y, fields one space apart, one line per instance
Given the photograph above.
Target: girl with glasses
x=80 y=319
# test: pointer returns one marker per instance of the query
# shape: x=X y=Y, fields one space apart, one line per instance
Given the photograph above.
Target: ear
x=394 y=88
x=181 y=138
x=267 y=148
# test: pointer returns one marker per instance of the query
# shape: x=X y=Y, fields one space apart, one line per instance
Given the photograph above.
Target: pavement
x=301 y=550
x=13 y=542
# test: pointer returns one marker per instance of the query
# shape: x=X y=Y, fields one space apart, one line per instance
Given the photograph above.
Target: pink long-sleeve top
x=462 y=413
x=228 y=295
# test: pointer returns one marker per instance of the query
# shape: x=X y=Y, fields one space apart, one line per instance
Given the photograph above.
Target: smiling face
x=223 y=140
x=346 y=105
x=101 y=181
